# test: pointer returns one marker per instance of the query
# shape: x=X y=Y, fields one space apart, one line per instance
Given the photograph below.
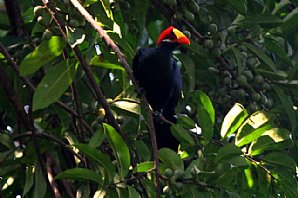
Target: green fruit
x=171 y=2
x=168 y=173
x=73 y=23
x=187 y=33
x=213 y=28
x=253 y=107
x=179 y=185
x=258 y=79
x=178 y=16
x=216 y=52
x=208 y=44
x=269 y=103
x=227 y=74
x=248 y=74
x=194 y=6
x=256 y=96
x=178 y=173
x=227 y=81
x=252 y=62
x=241 y=80
x=45 y=19
x=221 y=91
x=47 y=35
x=241 y=93
x=263 y=99
x=265 y=86
x=189 y=16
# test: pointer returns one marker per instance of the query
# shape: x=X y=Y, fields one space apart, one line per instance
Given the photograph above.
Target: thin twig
x=51 y=176
x=49 y=137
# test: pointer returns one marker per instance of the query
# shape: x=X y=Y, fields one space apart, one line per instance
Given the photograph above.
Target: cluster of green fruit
x=173 y=181
x=68 y=14
x=246 y=87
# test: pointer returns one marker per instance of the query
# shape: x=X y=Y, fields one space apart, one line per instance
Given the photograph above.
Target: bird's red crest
x=174 y=35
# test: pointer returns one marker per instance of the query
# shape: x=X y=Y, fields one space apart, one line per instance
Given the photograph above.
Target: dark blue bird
x=159 y=76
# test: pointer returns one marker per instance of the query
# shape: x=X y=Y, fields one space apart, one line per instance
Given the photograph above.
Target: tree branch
x=100 y=96
x=49 y=137
x=109 y=42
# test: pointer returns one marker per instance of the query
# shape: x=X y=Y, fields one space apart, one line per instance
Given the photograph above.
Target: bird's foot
x=157 y=115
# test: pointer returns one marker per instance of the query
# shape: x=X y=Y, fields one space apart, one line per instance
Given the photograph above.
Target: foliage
x=237 y=120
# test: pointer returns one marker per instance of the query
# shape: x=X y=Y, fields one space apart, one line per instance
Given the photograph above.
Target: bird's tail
x=164 y=136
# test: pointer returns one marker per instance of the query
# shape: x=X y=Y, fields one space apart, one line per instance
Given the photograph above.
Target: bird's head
x=173 y=35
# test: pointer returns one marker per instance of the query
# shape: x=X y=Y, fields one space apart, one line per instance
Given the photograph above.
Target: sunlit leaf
x=233 y=120
x=144 y=166
x=47 y=51
x=274 y=138
x=120 y=149
x=252 y=128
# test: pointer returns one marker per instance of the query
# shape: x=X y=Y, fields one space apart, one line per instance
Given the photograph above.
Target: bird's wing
x=136 y=61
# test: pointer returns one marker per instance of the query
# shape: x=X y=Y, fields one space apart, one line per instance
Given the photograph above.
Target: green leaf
x=170 y=159
x=288 y=107
x=190 y=69
x=205 y=123
x=47 y=51
x=144 y=167
x=280 y=159
x=278 y=50
x=252 y=128
x=182 y=135
x=261 y=55
x=82 y=174
x=127 y=105
x=29 y=180
x=119 y=147
x=227 y=152
x=233 y=120
x=97 y=138
x=239 y=5
x=53 y=84
x=264 y=20
x=240 y=59
x=290 y=22
x=274 y=138
x=6 y=140
x=40 y=185
x=203 y=100
x=96 y=61
x=186 y=122
x=273 y=75
x=132 y=192
x=97 y=156
x=142 y=150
